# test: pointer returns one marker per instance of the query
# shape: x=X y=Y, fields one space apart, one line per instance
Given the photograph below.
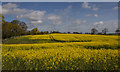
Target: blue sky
x=64 y=16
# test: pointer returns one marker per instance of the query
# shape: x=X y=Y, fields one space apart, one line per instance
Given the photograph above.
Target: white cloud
x=115 y=8
x=95 y=9
x=56 y=19
x=96 y=15
x=101 y=22
x=79 y=22
x=86 y=5
x=53 y=17
x=10 y=5
x=11 y=8
x=98 y=23
x=35 y=17
x=36 y=22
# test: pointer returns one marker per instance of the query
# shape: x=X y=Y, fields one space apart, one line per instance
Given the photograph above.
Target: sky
x=64 y=16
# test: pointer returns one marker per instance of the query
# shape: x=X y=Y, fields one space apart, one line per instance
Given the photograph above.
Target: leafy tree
x=46 y=32
x=68 y=32
x=13 y=28
x=94 y=31
x=54 y=32
x=6 y=30
x=35 y=31
x=105 y=30
x=15 y=22
x=2 y=19
x=27 y=32
x=23 y=25
x=9 y=30
x=75 y=33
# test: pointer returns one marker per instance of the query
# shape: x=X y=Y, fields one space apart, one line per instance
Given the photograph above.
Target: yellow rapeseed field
x=63 y=52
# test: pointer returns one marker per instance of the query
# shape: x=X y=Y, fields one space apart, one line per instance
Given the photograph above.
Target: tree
x=46 y=32
x=23 y=25
x=80 y=32
x=54 y=32
x=68 y=32
x=27 y=32
x=15 y=22
x=75 y=33
x=2 y=19
x=6 y=30
x=105 y=30
x=118 y=31
x=94 y=31
x=9 y=30
x=35 y=31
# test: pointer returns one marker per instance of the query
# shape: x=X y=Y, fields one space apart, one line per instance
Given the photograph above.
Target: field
x=61 y=52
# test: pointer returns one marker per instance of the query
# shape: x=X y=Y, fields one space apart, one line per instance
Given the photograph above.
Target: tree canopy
x=94 y=31
x=23 y=25
x=35 y=31
x=13 y=28
x=9 y=29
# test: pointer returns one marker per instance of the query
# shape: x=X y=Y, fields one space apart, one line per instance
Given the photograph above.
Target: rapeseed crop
x=65 y=52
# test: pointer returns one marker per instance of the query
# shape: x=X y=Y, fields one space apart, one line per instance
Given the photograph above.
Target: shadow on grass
x=38 y=41
x=26 y=40
x=101 y=46
x=73 y=41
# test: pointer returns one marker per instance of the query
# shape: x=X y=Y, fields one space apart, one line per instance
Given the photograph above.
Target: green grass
x=66 y=52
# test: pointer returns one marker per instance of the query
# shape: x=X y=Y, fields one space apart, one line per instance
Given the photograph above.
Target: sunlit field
x=61 y=52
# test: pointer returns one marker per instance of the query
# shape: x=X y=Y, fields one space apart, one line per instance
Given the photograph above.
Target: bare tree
x=105 y=30
x=117 y=31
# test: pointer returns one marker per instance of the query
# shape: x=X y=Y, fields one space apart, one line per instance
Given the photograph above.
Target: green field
x=61 y=52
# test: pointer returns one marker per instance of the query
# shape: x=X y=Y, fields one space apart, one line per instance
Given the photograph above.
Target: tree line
x=104 y=31
x=18 y=28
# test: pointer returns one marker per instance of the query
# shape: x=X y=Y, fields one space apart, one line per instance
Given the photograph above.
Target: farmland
x=61 y=52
